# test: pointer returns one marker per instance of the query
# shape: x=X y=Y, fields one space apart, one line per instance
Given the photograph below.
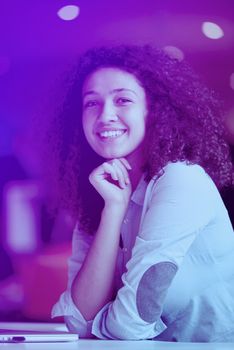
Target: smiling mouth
x=111 y=134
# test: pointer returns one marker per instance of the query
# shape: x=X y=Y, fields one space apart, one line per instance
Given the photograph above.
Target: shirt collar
x=139 y=194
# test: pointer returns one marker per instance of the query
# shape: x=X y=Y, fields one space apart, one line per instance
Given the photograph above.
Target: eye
x=123 y=101
x=90 y=103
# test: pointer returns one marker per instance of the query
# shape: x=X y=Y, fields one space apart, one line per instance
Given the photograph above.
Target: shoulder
x=182 y=199
x=185 y=182
x=183 y=170
x=183 y=174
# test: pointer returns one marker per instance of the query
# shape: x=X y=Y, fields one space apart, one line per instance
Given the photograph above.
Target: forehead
x=111 y=78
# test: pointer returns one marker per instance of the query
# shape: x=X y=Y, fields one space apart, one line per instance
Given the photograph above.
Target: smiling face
x=114 y=113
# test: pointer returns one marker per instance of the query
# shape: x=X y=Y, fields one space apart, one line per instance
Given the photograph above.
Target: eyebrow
x=92 y=92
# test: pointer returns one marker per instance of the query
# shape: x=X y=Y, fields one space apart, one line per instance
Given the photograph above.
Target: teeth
x=111 y=133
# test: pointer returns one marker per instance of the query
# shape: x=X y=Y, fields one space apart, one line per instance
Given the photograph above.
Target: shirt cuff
x=124 y=331
x=73 y=318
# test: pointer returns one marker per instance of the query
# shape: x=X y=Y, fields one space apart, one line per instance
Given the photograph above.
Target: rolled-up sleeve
x=65 y=306
x=177 y=207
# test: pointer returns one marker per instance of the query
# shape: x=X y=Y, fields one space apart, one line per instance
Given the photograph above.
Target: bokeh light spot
x=232 y=81
x=69 y=12
x=212 y=30
x=174 y=52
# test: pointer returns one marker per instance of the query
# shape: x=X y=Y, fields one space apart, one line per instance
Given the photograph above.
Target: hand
x=111 y=180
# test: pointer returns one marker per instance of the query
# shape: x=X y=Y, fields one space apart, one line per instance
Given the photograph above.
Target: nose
x=108 y=112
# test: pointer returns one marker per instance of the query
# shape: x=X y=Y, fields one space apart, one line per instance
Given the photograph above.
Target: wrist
x=114 y=210
x=111 y=221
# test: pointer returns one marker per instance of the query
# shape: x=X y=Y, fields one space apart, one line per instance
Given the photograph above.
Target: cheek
x=83 y=124
x=143 y=120
x=142 y=128
x=86 y=127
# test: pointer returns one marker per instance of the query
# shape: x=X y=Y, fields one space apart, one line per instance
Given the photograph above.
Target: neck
x=135 y=173
x=135 y=176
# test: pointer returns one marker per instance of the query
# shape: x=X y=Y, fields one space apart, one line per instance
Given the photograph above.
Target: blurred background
x=39 y=40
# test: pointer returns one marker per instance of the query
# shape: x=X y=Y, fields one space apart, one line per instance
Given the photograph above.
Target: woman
x=141 y=155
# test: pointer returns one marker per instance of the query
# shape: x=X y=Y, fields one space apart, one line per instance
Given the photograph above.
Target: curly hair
x=184 y=124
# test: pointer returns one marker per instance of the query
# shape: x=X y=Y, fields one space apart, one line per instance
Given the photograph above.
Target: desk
x=94 y=344
x=84 y=344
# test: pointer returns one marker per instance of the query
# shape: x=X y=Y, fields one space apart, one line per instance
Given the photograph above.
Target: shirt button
x=126 y=221
x=125 y=250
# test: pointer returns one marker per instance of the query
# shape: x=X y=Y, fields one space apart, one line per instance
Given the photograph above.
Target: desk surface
x=88 y=344
x=84 y=344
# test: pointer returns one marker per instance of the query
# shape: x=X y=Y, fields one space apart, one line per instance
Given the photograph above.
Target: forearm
x=93 y=285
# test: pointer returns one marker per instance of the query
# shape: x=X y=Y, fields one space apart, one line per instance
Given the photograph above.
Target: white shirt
x=177 y=265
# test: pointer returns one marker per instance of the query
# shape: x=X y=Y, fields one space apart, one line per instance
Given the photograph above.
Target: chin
x=112 y=155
